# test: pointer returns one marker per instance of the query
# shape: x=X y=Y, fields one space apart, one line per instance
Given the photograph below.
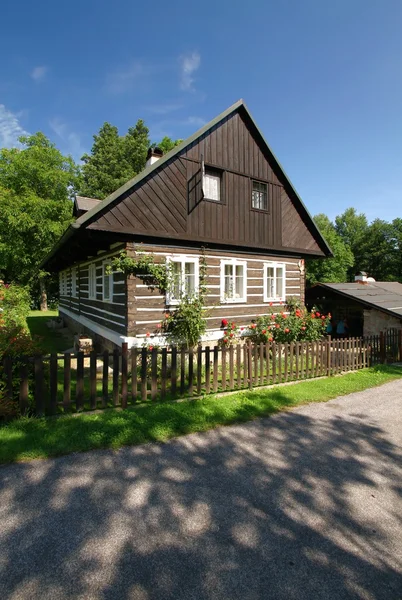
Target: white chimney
x=153 y=155
x=361 y=277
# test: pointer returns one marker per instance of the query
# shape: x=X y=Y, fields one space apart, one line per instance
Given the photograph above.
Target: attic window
x=259 y=196
x=211 y=185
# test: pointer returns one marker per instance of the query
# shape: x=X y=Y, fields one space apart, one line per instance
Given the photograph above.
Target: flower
x=271 y=303
x=272 y=316
x=224 y=322
x=317 y=314
x=241 y=328
x=303 y=328
x=231 y=334
x=287 y=330
x=148 y=334
x=151 y=347
x=284 y=315
x=270 y=339
x=277 y=325
x=167 y=315
x=253 y=326
x=159 y=325
x=323 y=318
x=233 y=325
x=281 y=302
x=264 y=331
x=312 y=315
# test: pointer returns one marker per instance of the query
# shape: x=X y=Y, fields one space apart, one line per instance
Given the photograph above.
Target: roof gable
x=311 y=239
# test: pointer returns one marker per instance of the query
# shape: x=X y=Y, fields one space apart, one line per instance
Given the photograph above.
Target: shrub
x=15 y=303
x=185 y=325
x=230 y=334
x=297 y=326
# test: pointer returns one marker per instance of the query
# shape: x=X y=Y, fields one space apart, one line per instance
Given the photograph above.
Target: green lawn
x=40 y=438
x=51 y=339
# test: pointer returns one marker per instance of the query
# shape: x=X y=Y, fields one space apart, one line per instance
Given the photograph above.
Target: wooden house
x=221 y=192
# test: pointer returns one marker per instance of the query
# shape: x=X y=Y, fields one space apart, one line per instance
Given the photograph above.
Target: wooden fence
x=75 y=382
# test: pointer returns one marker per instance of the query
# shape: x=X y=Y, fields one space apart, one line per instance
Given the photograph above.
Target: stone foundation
x=376 y=321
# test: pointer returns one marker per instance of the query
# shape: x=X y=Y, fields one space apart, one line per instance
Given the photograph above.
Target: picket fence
x=49 y=385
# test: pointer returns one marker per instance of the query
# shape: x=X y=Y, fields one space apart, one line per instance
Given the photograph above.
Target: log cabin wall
x=111 y=314
x=146 y=307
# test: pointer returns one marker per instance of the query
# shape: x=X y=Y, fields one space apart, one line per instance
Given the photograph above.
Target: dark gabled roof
x=84 y=204
x=381 y=295
x=86 y=218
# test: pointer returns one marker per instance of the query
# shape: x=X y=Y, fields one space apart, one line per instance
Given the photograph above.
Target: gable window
x=274 y=282
x=233 y=281
x=212 y=184
x=74 y=282
x=184 y=272
x=259 y=196
x=92 y=282
x=107 y=281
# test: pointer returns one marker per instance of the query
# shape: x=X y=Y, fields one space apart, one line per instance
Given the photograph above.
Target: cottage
x=368 y=306
x=221 y=195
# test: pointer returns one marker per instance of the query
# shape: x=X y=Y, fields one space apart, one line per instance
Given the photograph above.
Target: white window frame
x=74 y=282
x=183 y=259
x=92 y=281
x=105 y=264
x=276 y=266
x=234 y=262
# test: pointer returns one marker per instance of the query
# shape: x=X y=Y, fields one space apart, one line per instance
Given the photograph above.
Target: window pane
x=189 y=277
x=270 y=282
x=239 y=281
x=229 y=281
x=176 y=277
x=259 y=196
x=212 y=186
x=279 y=282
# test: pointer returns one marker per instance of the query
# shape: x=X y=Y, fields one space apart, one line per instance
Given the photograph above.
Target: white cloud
x=71 y=141
x=10 y=128
x=39 y=73
x=189 y=64
x=123 y=80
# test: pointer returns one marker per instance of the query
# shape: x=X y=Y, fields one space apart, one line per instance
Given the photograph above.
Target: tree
x=353 y=229
x=38 y=168
x=330 y=270
x=115 y=159
x=380 y=247
x=166 y=144
x=29 y=227
x=36 y=185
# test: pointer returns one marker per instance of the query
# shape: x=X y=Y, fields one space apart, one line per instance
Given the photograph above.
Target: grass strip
x=27 y=439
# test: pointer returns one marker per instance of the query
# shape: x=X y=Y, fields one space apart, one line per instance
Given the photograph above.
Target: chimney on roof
x=153 y=155
x=361 y=277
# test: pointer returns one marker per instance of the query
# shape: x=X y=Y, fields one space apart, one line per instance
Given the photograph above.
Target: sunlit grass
x=41 y=438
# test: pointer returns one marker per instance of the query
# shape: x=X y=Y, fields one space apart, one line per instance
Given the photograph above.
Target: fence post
x=328 y=365
x=250 y=367
x=124 y=370
x=24 y=387
x=399 y=345
x=383 y=357
x=39 y=386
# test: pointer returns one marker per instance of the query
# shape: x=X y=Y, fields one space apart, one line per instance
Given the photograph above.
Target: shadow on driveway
x=291 y=507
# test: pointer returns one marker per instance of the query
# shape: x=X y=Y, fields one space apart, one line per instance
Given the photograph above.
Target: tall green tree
x=115 y=159
x=353 y=229
x=36 y=185
x=38 y=167
x=330 y=270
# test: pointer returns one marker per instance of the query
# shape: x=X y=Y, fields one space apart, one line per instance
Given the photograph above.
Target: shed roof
x=381 y=295
x=83 y=203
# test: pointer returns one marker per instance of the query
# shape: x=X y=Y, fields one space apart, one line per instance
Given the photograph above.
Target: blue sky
x=322 y=79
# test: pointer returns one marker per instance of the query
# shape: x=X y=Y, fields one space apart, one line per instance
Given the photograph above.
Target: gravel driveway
x=303 y=505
